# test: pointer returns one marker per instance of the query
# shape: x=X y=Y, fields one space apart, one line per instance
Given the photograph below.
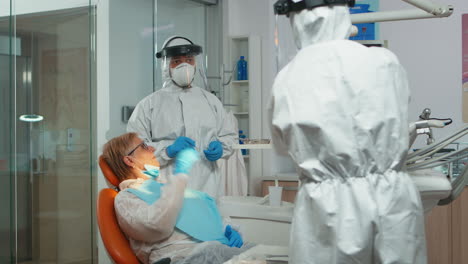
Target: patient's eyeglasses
x=142 y=144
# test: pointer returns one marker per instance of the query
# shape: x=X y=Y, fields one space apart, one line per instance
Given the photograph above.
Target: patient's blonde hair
x=115 y=150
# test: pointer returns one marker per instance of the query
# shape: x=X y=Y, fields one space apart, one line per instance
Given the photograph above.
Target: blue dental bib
x=199 y=217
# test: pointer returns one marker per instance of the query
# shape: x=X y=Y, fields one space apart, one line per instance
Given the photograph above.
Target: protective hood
x=320 y=24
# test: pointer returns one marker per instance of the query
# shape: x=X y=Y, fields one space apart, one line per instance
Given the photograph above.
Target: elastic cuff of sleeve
x=164 y=154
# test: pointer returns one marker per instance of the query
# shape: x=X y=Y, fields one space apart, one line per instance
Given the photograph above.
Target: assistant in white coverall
x=339 y=109
x=183 y=115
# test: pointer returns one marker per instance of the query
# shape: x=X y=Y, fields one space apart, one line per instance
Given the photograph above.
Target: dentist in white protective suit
x=339 y=109
x=182 y=115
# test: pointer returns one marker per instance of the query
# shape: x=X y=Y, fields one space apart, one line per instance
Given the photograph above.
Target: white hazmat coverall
x=171 y=112
x=150 y=228
x=339 y=109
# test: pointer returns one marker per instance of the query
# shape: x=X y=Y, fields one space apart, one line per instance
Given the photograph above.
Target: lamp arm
x=426 y=9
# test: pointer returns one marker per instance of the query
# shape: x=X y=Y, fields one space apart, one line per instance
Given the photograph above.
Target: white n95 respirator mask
x=182 y=75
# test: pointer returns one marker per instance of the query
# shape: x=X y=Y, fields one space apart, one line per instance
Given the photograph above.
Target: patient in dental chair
x=166 y=222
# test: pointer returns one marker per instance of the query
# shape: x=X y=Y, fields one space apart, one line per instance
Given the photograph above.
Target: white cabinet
x=243 y=97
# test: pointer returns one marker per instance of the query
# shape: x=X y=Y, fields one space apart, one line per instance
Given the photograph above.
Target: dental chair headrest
x=108 y=173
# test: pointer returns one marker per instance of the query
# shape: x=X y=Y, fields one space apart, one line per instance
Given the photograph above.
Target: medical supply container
x=242 y=69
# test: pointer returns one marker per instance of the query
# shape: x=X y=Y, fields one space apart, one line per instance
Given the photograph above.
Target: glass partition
x=47 y=90
x=47 y=110
x=6 y=135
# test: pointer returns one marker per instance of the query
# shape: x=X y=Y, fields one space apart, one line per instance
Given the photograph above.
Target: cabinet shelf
x=241 y=82
x=243 y=98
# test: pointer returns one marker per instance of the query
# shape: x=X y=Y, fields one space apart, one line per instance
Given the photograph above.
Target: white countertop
x=272 y=178
x=284 y=176
x=252 y=146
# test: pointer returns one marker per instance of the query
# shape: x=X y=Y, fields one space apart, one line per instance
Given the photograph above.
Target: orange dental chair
x=114 y=240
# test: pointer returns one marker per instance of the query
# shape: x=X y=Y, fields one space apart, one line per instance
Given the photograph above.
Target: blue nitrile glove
x=235 y=239
x=185 y=160
x=214 y=151
x=179 y=144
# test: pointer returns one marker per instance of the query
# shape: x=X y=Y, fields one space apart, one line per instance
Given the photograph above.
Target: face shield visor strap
x=181 y=50
x=284 y=7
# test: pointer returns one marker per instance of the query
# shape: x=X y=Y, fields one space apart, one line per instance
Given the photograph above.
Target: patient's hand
x=235 y=239
x=185 y=160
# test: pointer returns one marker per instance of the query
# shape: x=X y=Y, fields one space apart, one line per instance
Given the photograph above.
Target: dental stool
x=113 y=238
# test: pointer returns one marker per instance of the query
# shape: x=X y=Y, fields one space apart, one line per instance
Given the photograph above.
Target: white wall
x=429 y=49
x=130 y=57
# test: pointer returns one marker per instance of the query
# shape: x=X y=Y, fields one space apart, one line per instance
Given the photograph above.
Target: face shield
x=182 y=64
x=308 y=22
